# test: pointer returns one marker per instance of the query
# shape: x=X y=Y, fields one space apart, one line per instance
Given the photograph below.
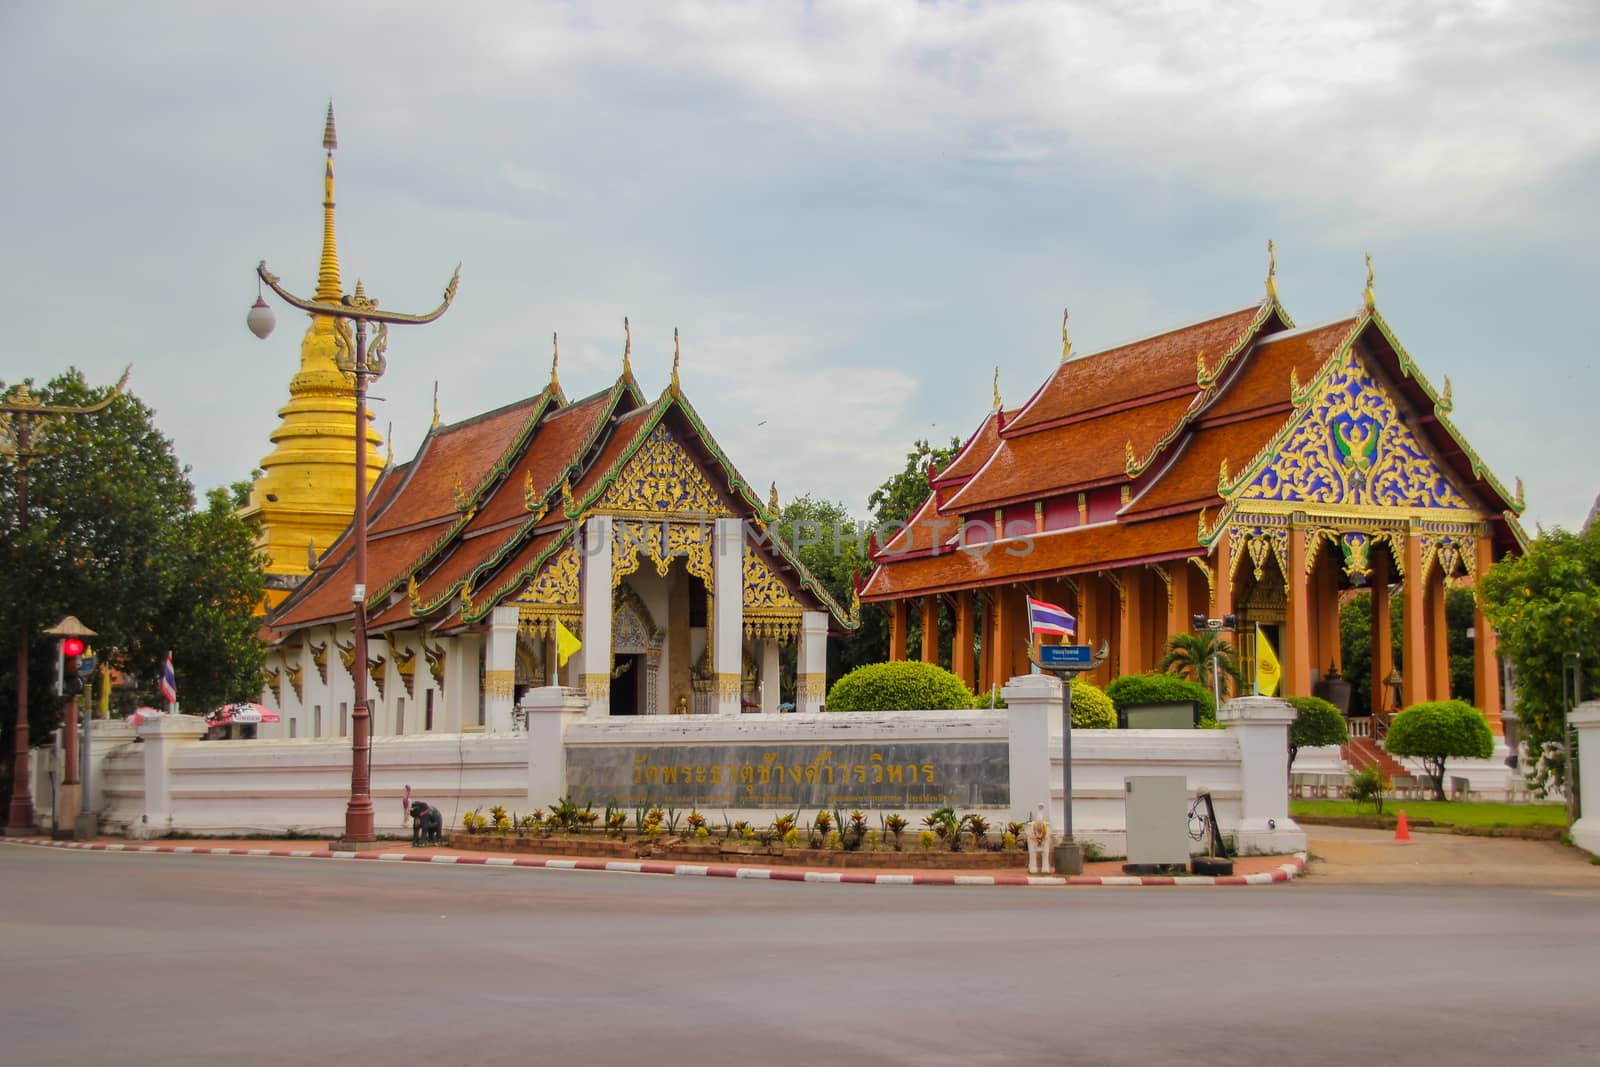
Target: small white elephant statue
x=1039 y=843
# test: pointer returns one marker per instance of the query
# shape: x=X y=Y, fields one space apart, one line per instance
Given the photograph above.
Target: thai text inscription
x=898 y=775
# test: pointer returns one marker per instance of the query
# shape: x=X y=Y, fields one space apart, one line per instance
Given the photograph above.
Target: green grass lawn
x=1446 y=813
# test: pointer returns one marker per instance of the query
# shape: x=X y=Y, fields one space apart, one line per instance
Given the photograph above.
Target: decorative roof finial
x=555 y=361
x=328 y=288
x=435 y=403
x=1272 y=272
x=1066 y=340
x=772 y=501
x=1367 y=296
x=1521 y=501
x=627 y=348
x=996 y=388
x=311 y=554
x=388 y=438
x=1447 y=403
x=676 y=354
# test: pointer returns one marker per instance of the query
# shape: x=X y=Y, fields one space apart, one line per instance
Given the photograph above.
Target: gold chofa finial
x=555 y=361
x=997 y=388
x=330 y=138
x=1367 y=296
x=1066 y=339
x=311 y=554
x=627 y=347
x=436 y=402
x=1272 y=272
x=772 y=501
x=676 y=355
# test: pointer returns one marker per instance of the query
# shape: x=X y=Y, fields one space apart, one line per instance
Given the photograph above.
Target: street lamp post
x=361 y=361
x=22 y=418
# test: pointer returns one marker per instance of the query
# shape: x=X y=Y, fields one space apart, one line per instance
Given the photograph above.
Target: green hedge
x=1091 y=708
x=902 y=686
x=1158 y=688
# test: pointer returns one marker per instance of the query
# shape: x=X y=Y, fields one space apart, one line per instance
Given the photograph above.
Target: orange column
x=1382 y=643
x=1413 y=649
x=1328 y=651
x=1130 y=622
x=1222 y=590
x=1090 y=630
x=1486 y=659
x=898 y=623
x=1178 y=621
x=1297 y=665
x=930 y=629
x=1438 y=636
x=1005 y=633
x=961 y=646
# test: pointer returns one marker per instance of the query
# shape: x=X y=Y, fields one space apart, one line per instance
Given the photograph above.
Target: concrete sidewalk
x=1248 y=870
x=1341 y=854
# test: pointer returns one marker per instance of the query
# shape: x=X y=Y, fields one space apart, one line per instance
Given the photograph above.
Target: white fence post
x=1033 y=703
x=1261 y=725
x=1585 y=718
x=549 y=710
x=161 y=736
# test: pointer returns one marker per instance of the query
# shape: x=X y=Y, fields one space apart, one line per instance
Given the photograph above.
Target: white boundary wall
x=172 y=782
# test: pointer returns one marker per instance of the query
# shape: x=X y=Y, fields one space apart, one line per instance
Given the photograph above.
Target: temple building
x=1238 y=466
x=305 y=494
x=616 y=517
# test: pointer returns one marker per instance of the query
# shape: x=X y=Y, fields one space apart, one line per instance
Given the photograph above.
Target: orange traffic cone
x=1402 y=831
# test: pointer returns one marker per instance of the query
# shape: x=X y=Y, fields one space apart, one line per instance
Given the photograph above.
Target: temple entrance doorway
x=627 y=681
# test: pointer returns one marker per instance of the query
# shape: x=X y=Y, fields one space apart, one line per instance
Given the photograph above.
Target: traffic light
x=67 y=652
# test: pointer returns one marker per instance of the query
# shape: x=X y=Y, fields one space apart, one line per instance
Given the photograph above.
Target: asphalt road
x=173 y=960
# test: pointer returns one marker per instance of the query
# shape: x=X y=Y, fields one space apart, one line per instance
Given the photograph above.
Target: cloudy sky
x=853 y=211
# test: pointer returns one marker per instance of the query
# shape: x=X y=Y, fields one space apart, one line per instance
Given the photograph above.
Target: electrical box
x=1157 y=812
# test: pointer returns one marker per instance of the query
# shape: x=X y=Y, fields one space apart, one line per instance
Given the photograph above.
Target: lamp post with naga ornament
x=352 y=316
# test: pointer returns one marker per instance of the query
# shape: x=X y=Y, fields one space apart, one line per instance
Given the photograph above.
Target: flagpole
x=1256 y=656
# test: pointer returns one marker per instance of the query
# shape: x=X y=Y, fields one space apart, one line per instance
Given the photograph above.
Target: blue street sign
x=1066 y=657
x=87 y=665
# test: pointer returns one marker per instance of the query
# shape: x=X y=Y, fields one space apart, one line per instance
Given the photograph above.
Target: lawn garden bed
x=743 y=853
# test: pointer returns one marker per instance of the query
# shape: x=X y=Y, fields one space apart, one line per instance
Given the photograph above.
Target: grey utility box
x=1158 y=820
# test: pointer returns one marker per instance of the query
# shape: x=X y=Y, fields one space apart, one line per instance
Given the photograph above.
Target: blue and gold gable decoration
x=1349 y=447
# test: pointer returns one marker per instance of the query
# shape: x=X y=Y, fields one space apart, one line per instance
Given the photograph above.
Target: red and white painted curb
x=1283 y=873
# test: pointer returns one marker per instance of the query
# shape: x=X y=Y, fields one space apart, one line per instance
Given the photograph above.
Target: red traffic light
x=72 y=646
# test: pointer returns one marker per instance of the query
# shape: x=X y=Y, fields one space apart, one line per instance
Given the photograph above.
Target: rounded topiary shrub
x=1436 y=730
x=1318 y=723
x=902 y=686
x=1157 y=688
x=1091 y=708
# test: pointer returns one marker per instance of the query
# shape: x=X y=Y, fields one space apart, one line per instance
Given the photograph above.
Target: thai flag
x=169 y=681
x=1047 y=618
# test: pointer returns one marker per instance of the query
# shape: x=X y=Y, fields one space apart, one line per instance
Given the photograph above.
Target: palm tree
x=1194 y=655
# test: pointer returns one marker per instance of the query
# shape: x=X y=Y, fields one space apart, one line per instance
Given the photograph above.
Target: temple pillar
x=1413 y=654
x=1179 y=617
x=961 y=645
x=984 y=602
x=500 y=669
x=1297 y=665
x=811 y=677
x=770 y=668
x=1090 y=630
x=595 y=595
x=930 y=630
x=1486 y=660
x=1005 y=632
x=680 y=661
x=1382 y=642
x=1438 y=635
x=899 y=622
x=1222 y=586
x=1328 y=651
x=727 y=649
x=1130 y=622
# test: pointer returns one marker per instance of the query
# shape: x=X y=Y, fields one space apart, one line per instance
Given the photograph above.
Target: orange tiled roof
x=326 y=594
x=1263 y=380
x=1191 y=477
x=979 y=447
x=1129 y=372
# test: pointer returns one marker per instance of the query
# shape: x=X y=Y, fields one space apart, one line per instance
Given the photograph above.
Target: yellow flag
x=566 y=644
x=1268 y=670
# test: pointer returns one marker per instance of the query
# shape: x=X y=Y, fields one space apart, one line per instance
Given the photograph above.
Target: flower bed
x=738 y=852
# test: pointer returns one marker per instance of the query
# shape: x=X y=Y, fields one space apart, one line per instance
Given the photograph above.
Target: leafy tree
x=897 y=499
x=1091 y=708
x=1197 y=655
x=1317 y=723
x=1436 y=730
x=1546 y=606
x=113 y=538
x=1459 y=608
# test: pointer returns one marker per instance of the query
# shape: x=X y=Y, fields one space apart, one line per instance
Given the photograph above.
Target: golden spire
x=1066 y=339
x=676 y=354
x=328 y=276
x=435 y=404
x=1367 y=297
x=555 y=360
x=1272 y=272
x=996 y=388
x=627 y=348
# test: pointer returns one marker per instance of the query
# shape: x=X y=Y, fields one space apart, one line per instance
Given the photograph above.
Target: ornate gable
x=1349 y=448
x=661 y=478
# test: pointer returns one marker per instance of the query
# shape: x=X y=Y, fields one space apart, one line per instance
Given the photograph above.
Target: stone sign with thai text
x=961 y=774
